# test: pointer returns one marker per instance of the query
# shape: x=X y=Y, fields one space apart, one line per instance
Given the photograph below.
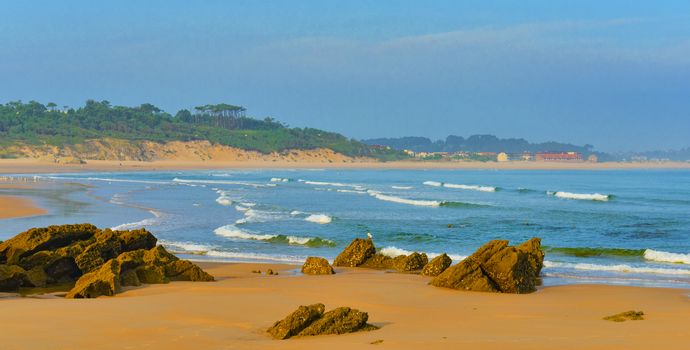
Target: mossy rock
x=104 y=281
x=356 y=253
x=341 y=320
x=296 y=321
x=129 y=278
x=412 y=262
x=437 y=265
x=378 y=261
x=38 y=239
x=631 y=315
x=317 y=266
x=35 y=278
x=184 y=270
x=11 y=278
x=137 y=239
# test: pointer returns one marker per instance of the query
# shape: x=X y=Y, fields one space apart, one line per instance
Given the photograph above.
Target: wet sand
x=14 y=206
x=234 y=312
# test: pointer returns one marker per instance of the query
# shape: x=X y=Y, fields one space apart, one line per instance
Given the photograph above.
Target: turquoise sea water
x=615 y=227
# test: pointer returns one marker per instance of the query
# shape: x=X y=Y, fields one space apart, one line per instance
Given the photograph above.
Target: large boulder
x=296 y=321
x=311 y=320
x=339 y=321
x=11 y=278
x=356 y=253
x=39 y=239
x=104 y=281
x=99 y=261
x=412 y=262
x=496 y=267
x=437 y=265
x=378 y=261
x=317 y=266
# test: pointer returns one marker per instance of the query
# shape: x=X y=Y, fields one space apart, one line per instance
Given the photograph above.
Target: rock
x=317 y=266
x=296 y=321
x=356 y=253
x=437 y=265
x=496 y=267
x=104 y=281
x=269 y=272
x=535 y=255
x=378 y=261
x=11 y=277
x=137 y=239
x=38 y=239
x=631 y=315
x=151 y=274
x=338 y=321
x=183 y=270
x=100 y=261
x=412 y=262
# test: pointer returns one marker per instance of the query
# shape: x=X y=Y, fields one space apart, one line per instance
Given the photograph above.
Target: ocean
x=627 y=227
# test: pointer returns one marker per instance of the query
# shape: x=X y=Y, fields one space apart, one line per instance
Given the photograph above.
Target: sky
x=614 y=74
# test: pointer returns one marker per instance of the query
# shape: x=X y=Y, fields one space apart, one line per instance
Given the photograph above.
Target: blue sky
x=615 y=74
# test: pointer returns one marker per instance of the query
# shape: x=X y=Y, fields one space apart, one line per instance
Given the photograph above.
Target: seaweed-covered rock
x=496 y=267
x=317 y=266
x=339 y=321
x=39 y=239
x=98 y=260
x=378 y=261
x=104 y=281
x=437 y=265
x=183 y=270
x=356 y=253
x=296 y=321
x=11 y=278
x=412 y=262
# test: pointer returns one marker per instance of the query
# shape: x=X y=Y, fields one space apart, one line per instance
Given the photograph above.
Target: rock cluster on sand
x=497 y=267
x=311 y=320
x=362 y=253
x=317 y=266
x=99 y=261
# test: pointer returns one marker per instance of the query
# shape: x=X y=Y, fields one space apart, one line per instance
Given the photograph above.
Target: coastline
x=234 y=312
x=26 y=166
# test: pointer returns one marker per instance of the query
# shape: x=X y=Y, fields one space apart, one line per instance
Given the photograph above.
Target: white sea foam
x=241 y=208
x=296 y=212
x=222 y=200
x=618 y=268
x=186 y=247
x=393 y=251
x=254 y=257
x=417 y=202
x=661 y=256
x=471 y=187
x=222 y=182
x=580 y=196
x=333 y=184
x=402 y=187
x=248 y=204
x=278 y=179
x=433 y=183
x=139 y=224
x=352 y=191
x=110 y=180
x=255 y=215
x=232 y=231
x=319 y=219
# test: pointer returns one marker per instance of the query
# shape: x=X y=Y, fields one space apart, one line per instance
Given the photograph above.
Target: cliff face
x=190 y=151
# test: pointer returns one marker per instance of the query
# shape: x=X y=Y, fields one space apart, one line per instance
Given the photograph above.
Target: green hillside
x=33 y=123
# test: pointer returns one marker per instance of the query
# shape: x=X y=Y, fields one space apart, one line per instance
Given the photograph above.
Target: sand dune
x=234 y=312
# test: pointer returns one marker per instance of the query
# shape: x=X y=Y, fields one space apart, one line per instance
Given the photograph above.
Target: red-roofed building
x=558 y=157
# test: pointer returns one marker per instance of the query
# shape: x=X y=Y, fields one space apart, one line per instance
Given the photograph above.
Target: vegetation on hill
x=33 y=123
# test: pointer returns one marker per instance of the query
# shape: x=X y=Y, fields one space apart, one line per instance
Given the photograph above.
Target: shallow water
x=640 y=216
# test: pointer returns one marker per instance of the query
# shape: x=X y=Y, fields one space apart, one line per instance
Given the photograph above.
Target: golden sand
x=234 y=312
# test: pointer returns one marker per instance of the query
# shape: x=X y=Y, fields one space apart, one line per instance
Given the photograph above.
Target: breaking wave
x=139 y=224
x=421 y=202
x=617 y=268
x=393 y=251
x=222 y=182
x=581 y=196
x=402 y=187
x=278 y=179
x=319 y=219
x=661 y=256
x=333 y=184
x=461 y=187
x=586 y=252
x=232 y=231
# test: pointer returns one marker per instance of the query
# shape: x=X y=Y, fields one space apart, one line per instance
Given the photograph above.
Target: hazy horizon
x=614 y=75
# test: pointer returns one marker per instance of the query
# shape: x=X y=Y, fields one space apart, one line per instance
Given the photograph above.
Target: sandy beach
x=234 y=312
x=14 y=206
x=32 y=166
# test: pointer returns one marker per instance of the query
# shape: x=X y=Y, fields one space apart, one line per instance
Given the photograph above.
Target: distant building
x=526 y=156
x=502 y=157
x=558 y=157
x=409 y=152
x=592 y=158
